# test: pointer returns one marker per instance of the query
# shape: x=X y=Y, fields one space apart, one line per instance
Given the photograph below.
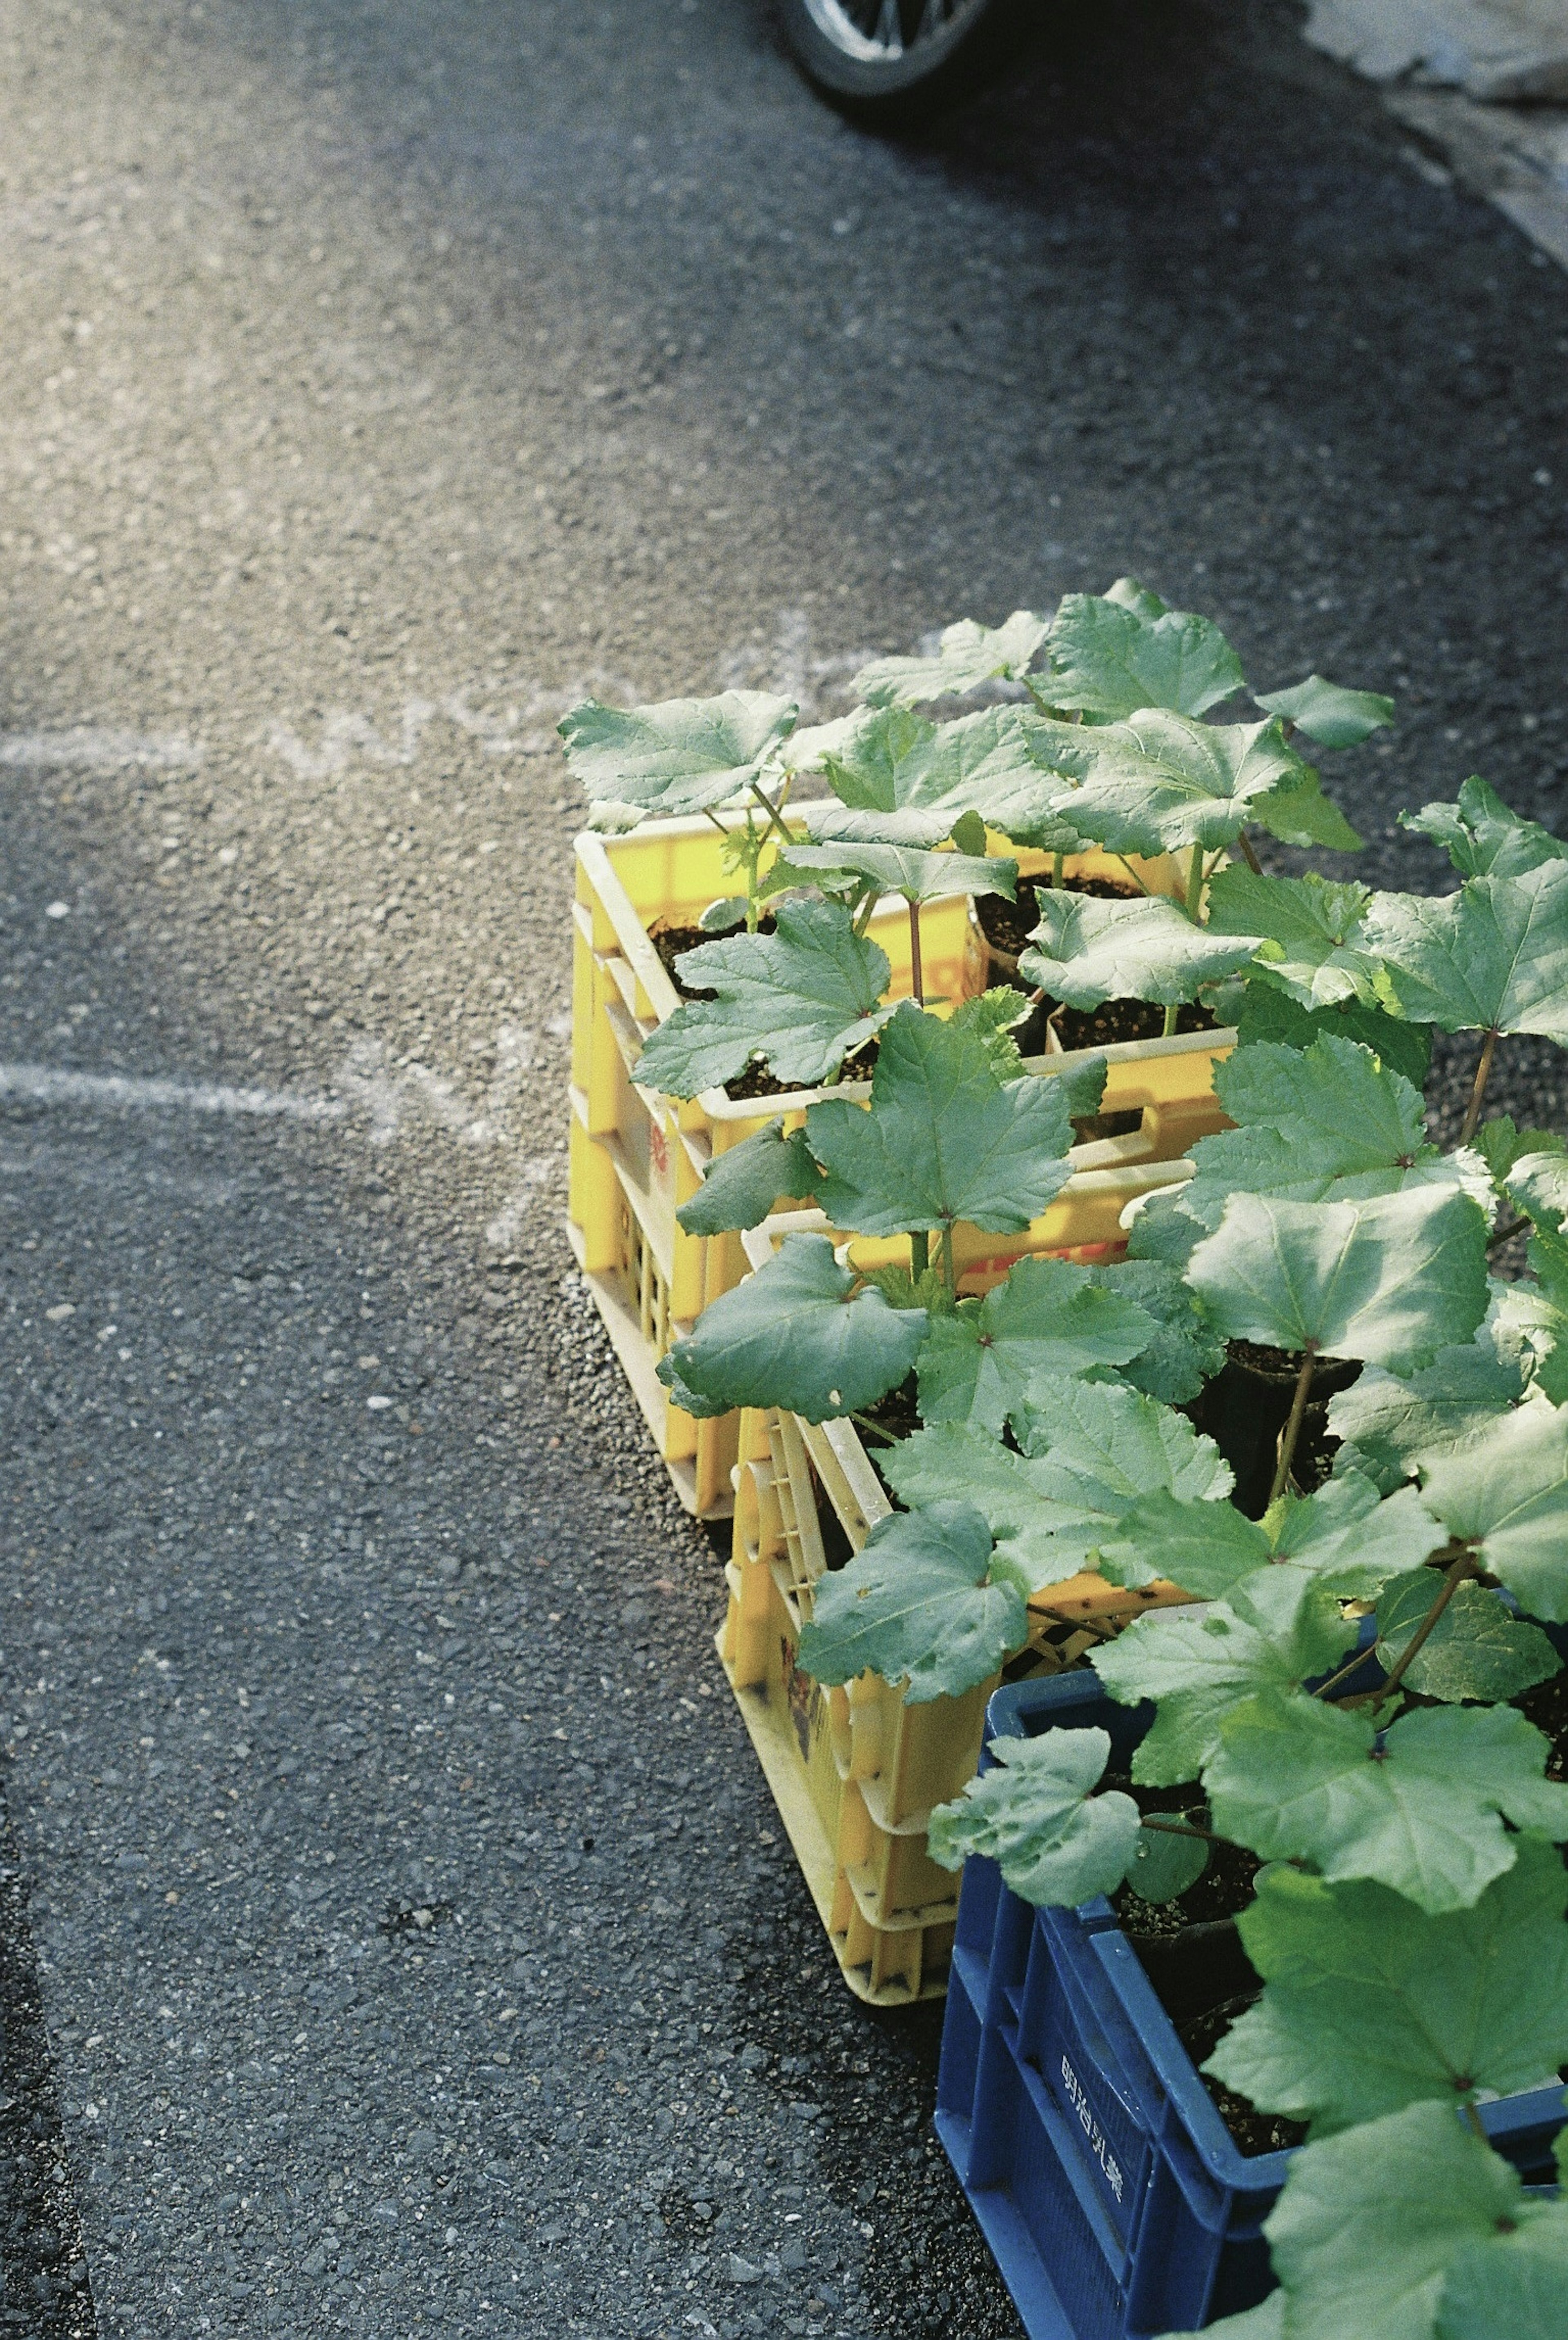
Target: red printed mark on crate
x=658 y=1146
x=1078 y=2104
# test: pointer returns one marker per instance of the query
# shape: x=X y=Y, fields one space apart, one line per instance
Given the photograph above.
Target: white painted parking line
x=44 y=1084
x=85 y=750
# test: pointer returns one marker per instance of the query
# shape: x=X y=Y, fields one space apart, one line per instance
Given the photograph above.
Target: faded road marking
x=84 y=749
x=41 y=1085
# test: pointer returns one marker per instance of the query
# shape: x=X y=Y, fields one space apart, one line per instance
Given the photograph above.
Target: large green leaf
x=944 y=1139
x=1160 y=782
x=1277 y=1628
x=1327 y=712
x=1537 y=1182
x=1265 y=2322
x=1388 y=1425
x=982 y=1363
x=1419 y=1806
x=801 y=1332
x=1391 y=1280
x=1183 y=1351
x=1092 y=1448
x=1037 y=1815
x=1267 y=1013
x=680 y=756
x=1371 y=2221
x=1327 y=1123
x=1005 y=765
x=1371 y=2004
x=1111 y=660
x=922 y=1600
x=1309 y=928
x=1494 y=957
x=801 y=999
x=1507 y=1491
x=908 y=869
x=741 y=1187
x=1298 y=813
x=1086 y=950
x=1482 y=837
x=1512 y=2286
x=1349 y=1538
x=967 y=655
x=1476 y=1650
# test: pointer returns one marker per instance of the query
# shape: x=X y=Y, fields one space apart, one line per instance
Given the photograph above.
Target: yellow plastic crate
x=635 y=1157
x=853 y=1771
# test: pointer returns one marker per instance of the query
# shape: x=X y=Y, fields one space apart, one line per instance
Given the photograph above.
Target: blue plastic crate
x=1112 y=2195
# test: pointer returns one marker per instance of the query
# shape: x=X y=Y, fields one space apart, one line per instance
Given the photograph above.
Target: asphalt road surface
x=395 y=1934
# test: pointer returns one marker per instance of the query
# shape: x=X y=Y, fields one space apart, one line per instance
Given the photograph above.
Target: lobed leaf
x=1328 y=713
x=1374 y=2224
x=992 y=1015
x=1161 y=782
x=1494 y=957
x=1113 y=658
x=741 y=1187
x=1506 y=1491
x=1482 y=837
x=944 y=1140
x=1370 y=2004
x=680 y=756
x=1091 y=1450
x=1278 y=1628
x=1183 y=1351
x=920 y=1600
x=1298 y=813
x=1501 y=1143
x=1344 y=1534
x=801 y=998
x=1389 y=1424
x=1512 y=2286
x=1035 y=1814
x=801 y=1331
x=1309 y=929
x=906 y=870
x=967 y=655
x=1476 y=1650
x=985 y=1361
x=1088 y=950
x=1391 y=1280
x=1418 y=1807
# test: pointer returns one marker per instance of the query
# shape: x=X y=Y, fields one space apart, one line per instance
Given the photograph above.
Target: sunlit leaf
x=983 y=1362
x=680 y=756
x=1184 y=1351
x=801 y=998
x=1310 y=929
x=800 y=1332
x=1494 y=957
x=1086 y=950
x=1418 y=1807
x=1035 y=1814
x=1161 y=782
x=1110 y=659
x=1349 y=1538
x=944 y=1140
x=1475 y=1650
x=922 y=1602
x=1371 y=2004
x=1507 y=1490
x=969 y=655
x=1482 y=837
x=906 y=870
x=741 y=1187
x=1327 y=712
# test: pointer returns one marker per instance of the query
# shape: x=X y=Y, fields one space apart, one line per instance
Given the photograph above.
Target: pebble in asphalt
x=395 y=1933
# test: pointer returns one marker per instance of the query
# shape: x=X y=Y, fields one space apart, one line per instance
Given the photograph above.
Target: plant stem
x=1483 y=1070
x=1253 y=863
x=1293 y=1427
x=1180 y=1827
x=1195 y=883
x=948 y=1276
x=875 y=1427
x=1133 y=874
x=917 y=978
x=863 y=915
x=920 y=1253
x=1058 y=865
x=1463 y=1567
x=1506 y=1234
x=771 y=809
x=718 y=824
x=1167 y=1028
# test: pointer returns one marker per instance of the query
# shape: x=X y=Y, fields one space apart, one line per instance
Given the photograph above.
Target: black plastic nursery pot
x=1245 y=1408
x=1116 y=2199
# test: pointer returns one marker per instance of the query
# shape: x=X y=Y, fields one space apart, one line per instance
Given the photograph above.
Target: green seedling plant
x=1342 y=1691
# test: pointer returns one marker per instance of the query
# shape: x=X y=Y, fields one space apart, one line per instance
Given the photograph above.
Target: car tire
x=891 y=61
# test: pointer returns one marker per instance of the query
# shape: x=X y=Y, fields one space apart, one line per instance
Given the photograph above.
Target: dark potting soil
x=1008 y=925
x=1192 y=1954
x=1245 y=1406
x=1546 y=1706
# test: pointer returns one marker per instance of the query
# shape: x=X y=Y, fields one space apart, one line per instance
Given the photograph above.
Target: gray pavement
x=394 y=1931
